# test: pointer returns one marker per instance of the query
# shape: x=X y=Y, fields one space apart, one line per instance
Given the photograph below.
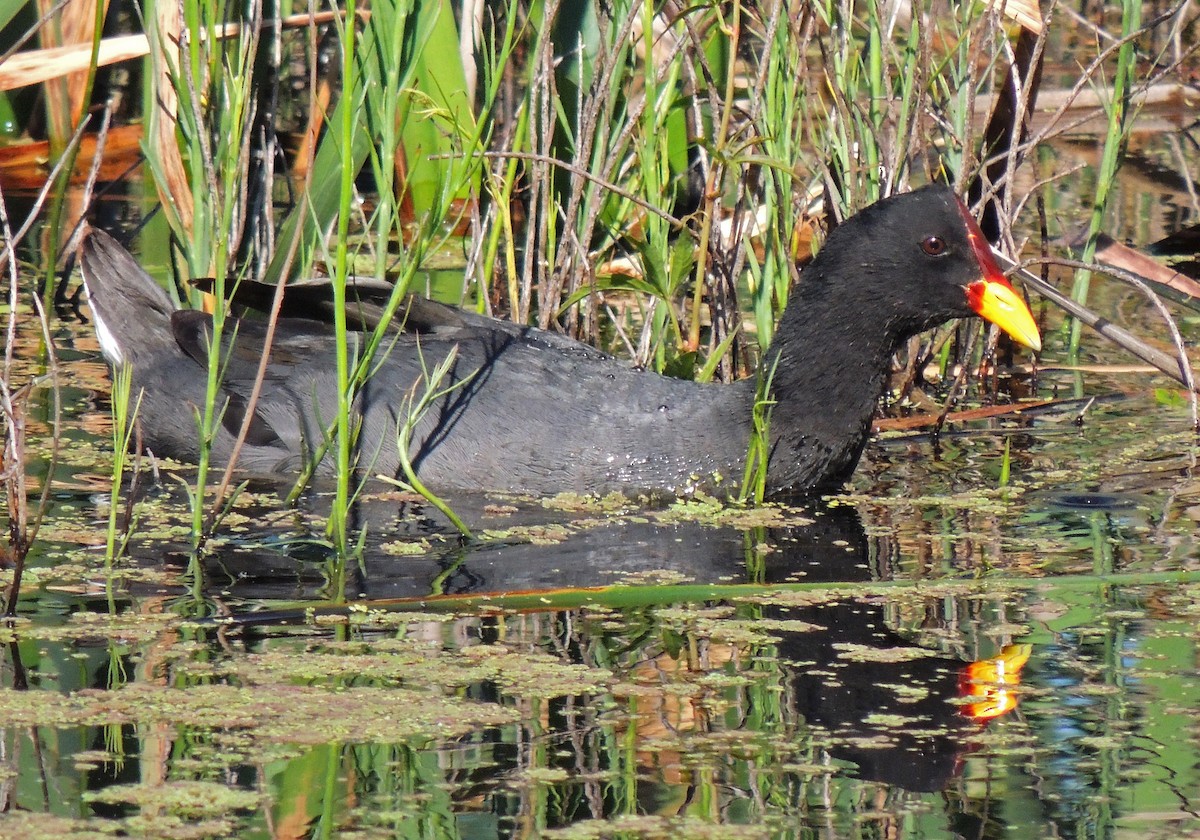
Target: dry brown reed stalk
x=65 y=95
x=29 y=67
x=566 y=234
x=171 y=181
x=594 y=134
x=22 y=529
x=1072 y=108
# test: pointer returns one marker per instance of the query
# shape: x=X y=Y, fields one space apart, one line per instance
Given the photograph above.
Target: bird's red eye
x=934 y=246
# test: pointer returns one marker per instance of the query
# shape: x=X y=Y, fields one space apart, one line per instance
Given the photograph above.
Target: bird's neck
x=828 y=374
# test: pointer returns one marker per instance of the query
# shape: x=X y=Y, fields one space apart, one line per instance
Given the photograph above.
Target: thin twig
x=595 y=179
x=1184 y=372
x=1178 y=368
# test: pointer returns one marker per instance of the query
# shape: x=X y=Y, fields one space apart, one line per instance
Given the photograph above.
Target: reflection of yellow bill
x=990 y=684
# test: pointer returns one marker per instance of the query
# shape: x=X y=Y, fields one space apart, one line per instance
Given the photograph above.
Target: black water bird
x=537 y=412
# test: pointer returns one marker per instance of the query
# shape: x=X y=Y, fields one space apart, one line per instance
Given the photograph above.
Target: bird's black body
x=540 y=413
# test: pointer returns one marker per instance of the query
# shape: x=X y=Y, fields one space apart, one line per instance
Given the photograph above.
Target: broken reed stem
x=12 y=403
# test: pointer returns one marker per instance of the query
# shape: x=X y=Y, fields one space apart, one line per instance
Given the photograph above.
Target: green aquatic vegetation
x=719 y=681
x=719 y=624
x=419 y=663
x=611 y=503
x=544 y=775
x=787 y=625
x=187 y=799
x=76 y=577
x=647 y=827
x=124 y=416
x=707 y=510
x=89 y=759
x=899 y=723
x=125 y=628
x=542 y=534
x=172 y=827
x=272 y=716
x=1006 y=630
x=529 y=676
x=363 y=618
x=652 y=577
x=771 y=597
x=989 y=501
x=376 y=715
x=433 y=384
x=33 y=825
x=406 y=548
x=331 y=664
x=905 y=692
x=692 y=617
x=753 y=488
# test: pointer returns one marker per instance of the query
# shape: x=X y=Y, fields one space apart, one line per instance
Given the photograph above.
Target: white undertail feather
x=108 y=342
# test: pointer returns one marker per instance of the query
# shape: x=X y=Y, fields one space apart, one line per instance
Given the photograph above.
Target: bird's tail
x=132 y=312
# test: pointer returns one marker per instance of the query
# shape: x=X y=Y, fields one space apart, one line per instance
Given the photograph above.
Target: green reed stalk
x=878 y=92
x=724 y=46
x=758 y=453
x=501 y=181
x=875 y=85
x=339 y=516
x=1006 y=464
x=1115 y=137
x=391 y=83
x=122 y=434
x=652 y=153
x=326 y=827
x=212 y=80
x=421 y=398
x=784 y=101
x=62 y=148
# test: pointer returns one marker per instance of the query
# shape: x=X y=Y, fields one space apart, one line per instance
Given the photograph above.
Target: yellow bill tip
x=995 y=300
